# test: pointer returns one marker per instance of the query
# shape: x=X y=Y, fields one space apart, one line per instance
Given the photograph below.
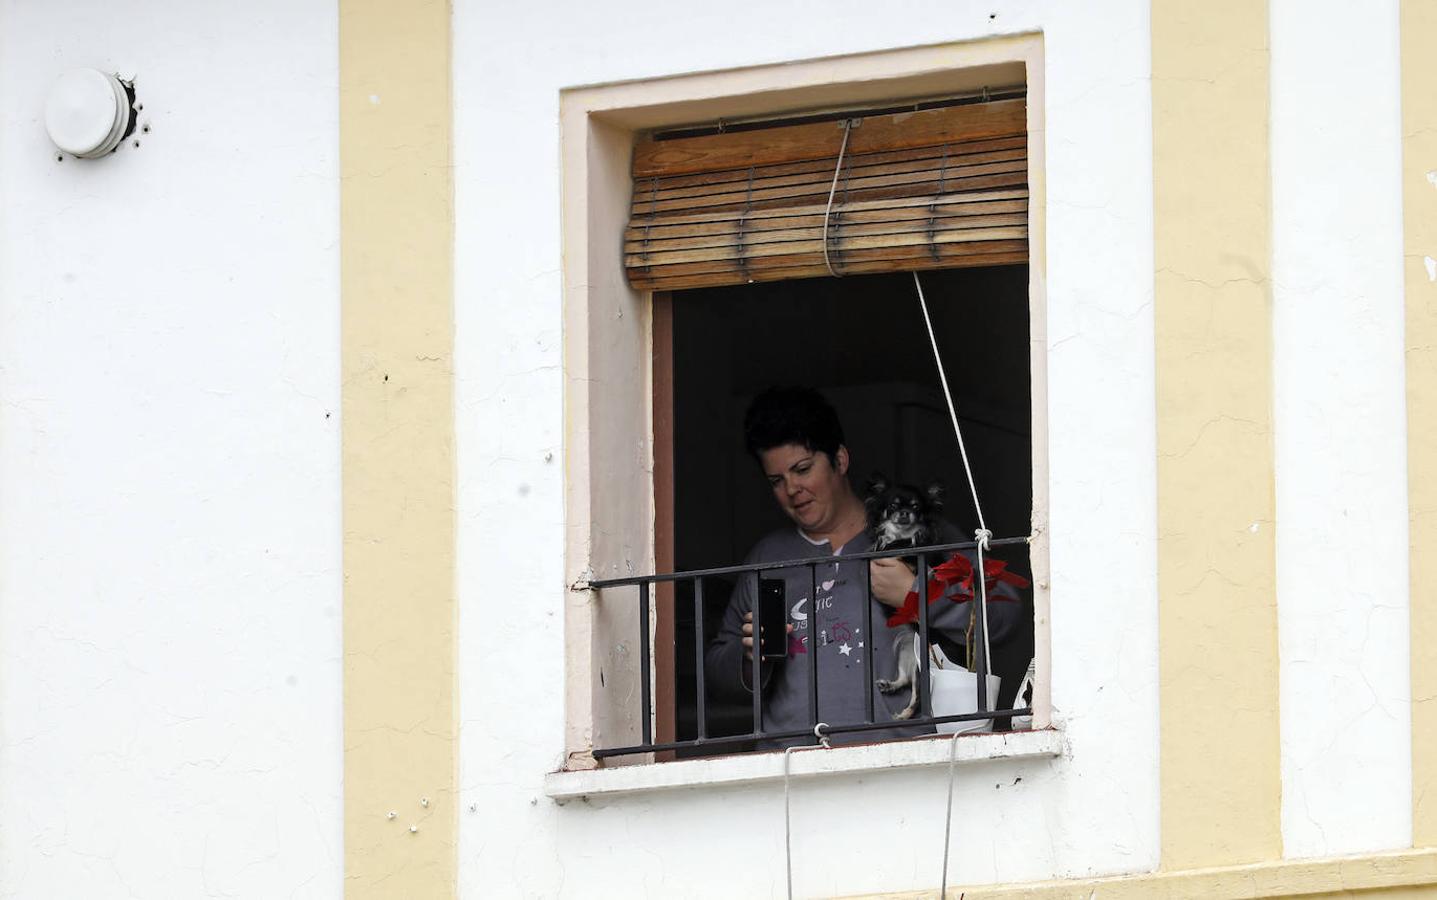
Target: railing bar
x=646 y=714
x=601 y=583
x=701 y=715
x=929 y=720
x=836 y=729
x=814 y=642
x=871 y=644
x=925 y=707
x=757 y=656
x=979 y=638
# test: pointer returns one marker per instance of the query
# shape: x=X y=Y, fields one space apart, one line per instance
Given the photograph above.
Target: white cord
x=843 y=148
x=980 y=576
x=983 y=532
x=787 y=830
x=948 y=813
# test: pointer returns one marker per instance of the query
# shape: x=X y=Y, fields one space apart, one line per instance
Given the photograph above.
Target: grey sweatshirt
x=832 y=624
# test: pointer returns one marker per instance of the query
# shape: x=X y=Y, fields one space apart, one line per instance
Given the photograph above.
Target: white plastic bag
x=1024 y=697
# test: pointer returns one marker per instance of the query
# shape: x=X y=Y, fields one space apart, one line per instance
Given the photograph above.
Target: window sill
x=766 y=767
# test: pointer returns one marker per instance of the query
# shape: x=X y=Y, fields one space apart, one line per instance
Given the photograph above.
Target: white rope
x=983 y=533
x=982 y=579
x=980 y=576
x=948 y=813
x=843 y=148
x=823 y=744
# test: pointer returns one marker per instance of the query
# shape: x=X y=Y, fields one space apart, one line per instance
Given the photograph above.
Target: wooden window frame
x=665 y=668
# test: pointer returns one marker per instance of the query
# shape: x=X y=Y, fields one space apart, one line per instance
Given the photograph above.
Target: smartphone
x=773 y=619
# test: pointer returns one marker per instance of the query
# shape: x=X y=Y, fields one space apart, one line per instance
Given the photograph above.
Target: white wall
x=1339 y=428
x=169 y=459
x=1095 y=812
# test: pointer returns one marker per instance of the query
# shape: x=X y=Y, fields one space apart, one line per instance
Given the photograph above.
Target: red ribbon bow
x=954 y=579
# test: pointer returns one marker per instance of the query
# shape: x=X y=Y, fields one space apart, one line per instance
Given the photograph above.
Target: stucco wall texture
x=170 y=599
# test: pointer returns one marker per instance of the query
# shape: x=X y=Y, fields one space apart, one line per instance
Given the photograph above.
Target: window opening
x=861 y=342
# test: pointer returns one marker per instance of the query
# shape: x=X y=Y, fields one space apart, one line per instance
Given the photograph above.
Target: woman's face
x=806 y=484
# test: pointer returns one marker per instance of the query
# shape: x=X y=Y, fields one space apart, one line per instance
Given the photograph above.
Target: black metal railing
x=703 y=741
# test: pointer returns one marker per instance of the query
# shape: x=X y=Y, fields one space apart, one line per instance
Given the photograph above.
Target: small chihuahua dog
x=903 y=516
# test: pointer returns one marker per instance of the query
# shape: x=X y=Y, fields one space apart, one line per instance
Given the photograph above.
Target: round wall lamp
x=88 y=113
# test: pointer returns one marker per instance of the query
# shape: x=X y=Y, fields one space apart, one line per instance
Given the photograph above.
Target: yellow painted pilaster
x=1419 y=207
x=396 y=263
x=1217 y=620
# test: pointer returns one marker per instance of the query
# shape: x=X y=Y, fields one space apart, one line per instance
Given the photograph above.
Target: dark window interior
x=861 y=341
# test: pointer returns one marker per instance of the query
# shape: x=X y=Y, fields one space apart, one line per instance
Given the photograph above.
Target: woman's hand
x=748 y=634
x=891 y=581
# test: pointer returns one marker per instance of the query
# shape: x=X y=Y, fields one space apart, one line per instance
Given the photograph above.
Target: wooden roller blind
x=939 y=188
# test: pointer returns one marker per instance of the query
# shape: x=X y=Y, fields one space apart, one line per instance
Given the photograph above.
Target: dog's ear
x=935 y=493
x=877 y=484
x=873 y=496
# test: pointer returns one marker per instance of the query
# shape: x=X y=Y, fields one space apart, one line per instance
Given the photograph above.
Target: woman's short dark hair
x=792 y=415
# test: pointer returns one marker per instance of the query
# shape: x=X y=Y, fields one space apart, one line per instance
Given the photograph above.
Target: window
x=739 y=223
